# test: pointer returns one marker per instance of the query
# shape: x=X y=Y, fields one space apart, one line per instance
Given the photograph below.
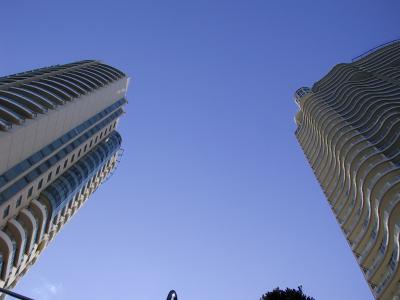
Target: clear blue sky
x=213 y=197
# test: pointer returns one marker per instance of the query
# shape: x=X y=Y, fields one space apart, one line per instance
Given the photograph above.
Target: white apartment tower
x=58 y=143
x=349 y=130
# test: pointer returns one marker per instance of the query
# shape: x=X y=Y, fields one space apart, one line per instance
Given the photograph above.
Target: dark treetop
x=288 y=294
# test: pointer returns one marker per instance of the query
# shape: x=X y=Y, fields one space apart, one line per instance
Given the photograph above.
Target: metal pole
x=15 y=295
x=172 y=295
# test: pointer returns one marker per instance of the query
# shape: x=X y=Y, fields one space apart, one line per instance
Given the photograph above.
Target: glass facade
x=62 y=190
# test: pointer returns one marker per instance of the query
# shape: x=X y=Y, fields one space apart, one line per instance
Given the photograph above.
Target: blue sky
x=213 y=196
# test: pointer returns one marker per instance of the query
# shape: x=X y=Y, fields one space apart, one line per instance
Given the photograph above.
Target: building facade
x=349 y=129
x=58 y=143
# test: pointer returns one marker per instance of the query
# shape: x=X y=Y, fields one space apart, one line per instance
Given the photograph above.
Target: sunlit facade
x=349 y=129
x=58 y=143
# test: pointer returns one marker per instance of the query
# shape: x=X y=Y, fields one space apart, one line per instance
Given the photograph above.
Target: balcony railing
x=373 y=49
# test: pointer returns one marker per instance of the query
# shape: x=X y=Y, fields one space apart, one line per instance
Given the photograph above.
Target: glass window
x=43 y=168
x=19 y=201
x=10 y=174
x=58 y=170
x=53 y=160
x=392 y=262
x=1 y=263
x=6 y=211
x=65 y=164
x=32 y=175
x=35 y=157
x=2 y=181
x=49 y=177
x=30 y=191
x=40 y=184
x=72 y=158
x=61 y=154
x=18 y=169
x=46 y=151
x=57 y=143
x=64 y=139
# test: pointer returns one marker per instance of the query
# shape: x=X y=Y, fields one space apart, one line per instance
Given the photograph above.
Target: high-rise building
x=58 y=143
x=349 y=130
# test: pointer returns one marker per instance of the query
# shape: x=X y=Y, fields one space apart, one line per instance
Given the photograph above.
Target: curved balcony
x=300 y=93
x=24 y=95
x=298 y=118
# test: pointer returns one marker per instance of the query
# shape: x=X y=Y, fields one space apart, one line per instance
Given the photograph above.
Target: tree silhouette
x=288 y=294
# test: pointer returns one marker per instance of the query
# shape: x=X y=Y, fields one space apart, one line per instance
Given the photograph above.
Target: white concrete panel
x=59 y=124
x=43 y=123
x=17 y=142
x=5 y=145
x=29 y=139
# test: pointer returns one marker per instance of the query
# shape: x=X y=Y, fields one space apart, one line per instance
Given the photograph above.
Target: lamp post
x=172 y=295
x=18 y=296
